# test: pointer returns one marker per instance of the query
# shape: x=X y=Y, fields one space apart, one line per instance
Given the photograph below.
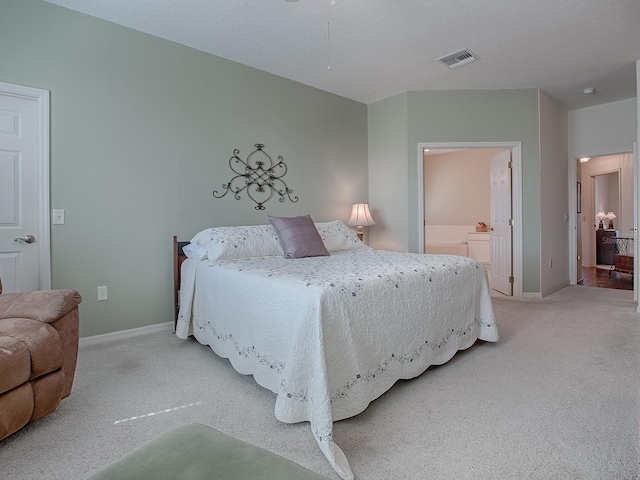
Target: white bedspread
x=329 y=335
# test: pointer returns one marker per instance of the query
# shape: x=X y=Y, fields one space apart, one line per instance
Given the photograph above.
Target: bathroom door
x=24 y=189
x=501 y=224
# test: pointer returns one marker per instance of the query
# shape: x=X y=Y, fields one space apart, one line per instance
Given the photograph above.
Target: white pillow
x=229 y=243
x=203 y=237
x=195 y=250
x=337 y=236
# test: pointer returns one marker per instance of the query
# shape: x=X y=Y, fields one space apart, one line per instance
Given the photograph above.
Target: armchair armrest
x=44 y=305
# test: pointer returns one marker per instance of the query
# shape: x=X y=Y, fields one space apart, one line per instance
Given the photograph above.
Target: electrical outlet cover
x=102 y=293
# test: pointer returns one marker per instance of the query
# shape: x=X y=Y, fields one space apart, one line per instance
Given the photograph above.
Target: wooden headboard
x=178 y=258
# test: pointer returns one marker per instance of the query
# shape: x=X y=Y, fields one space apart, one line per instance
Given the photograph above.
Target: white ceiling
x=379 y=48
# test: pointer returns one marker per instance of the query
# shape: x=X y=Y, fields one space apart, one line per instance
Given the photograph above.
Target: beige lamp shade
x=360 y=217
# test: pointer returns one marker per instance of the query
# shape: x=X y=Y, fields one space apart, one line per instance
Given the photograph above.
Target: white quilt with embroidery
x=329 y=335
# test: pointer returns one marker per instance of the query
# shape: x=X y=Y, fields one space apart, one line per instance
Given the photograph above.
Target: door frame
x=636 y=210
x=573 y=227
x=41 y=97
x=516 y=197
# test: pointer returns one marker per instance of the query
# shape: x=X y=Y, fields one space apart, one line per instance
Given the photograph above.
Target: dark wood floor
x=599 y=277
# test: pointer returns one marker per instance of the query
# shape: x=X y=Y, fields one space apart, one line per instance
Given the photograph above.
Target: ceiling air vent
x=459 y=58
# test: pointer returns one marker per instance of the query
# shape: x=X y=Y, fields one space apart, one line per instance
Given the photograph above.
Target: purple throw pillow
x=298 y=236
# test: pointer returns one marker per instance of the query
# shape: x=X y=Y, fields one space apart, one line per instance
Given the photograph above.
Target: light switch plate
x=58 y=216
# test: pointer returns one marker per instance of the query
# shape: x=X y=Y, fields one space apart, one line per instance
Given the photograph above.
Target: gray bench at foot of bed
x=195 y=451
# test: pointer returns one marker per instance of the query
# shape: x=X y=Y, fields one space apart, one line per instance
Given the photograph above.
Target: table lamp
x=360 y=217
x=611 y=216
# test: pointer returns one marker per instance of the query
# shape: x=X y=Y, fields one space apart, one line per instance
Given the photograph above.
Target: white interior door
x=24 y=191
x=501 y=224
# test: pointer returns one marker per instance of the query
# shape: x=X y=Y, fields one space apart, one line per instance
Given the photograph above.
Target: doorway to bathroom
x=469 y=200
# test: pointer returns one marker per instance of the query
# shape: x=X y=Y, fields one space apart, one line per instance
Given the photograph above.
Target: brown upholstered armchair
x=38 y=352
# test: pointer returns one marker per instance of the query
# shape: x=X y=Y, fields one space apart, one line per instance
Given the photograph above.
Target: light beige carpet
x=556 y=398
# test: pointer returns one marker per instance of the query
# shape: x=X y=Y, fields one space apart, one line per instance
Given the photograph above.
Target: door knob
x=25 y=239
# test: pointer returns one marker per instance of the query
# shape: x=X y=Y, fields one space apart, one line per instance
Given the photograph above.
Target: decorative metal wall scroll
x=260 y=177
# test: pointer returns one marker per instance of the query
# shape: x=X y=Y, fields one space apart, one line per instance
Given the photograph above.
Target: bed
x=328 y=334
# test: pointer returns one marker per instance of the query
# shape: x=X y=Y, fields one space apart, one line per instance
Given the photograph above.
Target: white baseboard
x=122 y=334
x=531 y=295
x=555 y=289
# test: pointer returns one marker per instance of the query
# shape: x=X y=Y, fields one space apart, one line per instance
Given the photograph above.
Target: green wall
x=388 y=180
x=141 y=133
x=483 y=116
x=458 y=116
